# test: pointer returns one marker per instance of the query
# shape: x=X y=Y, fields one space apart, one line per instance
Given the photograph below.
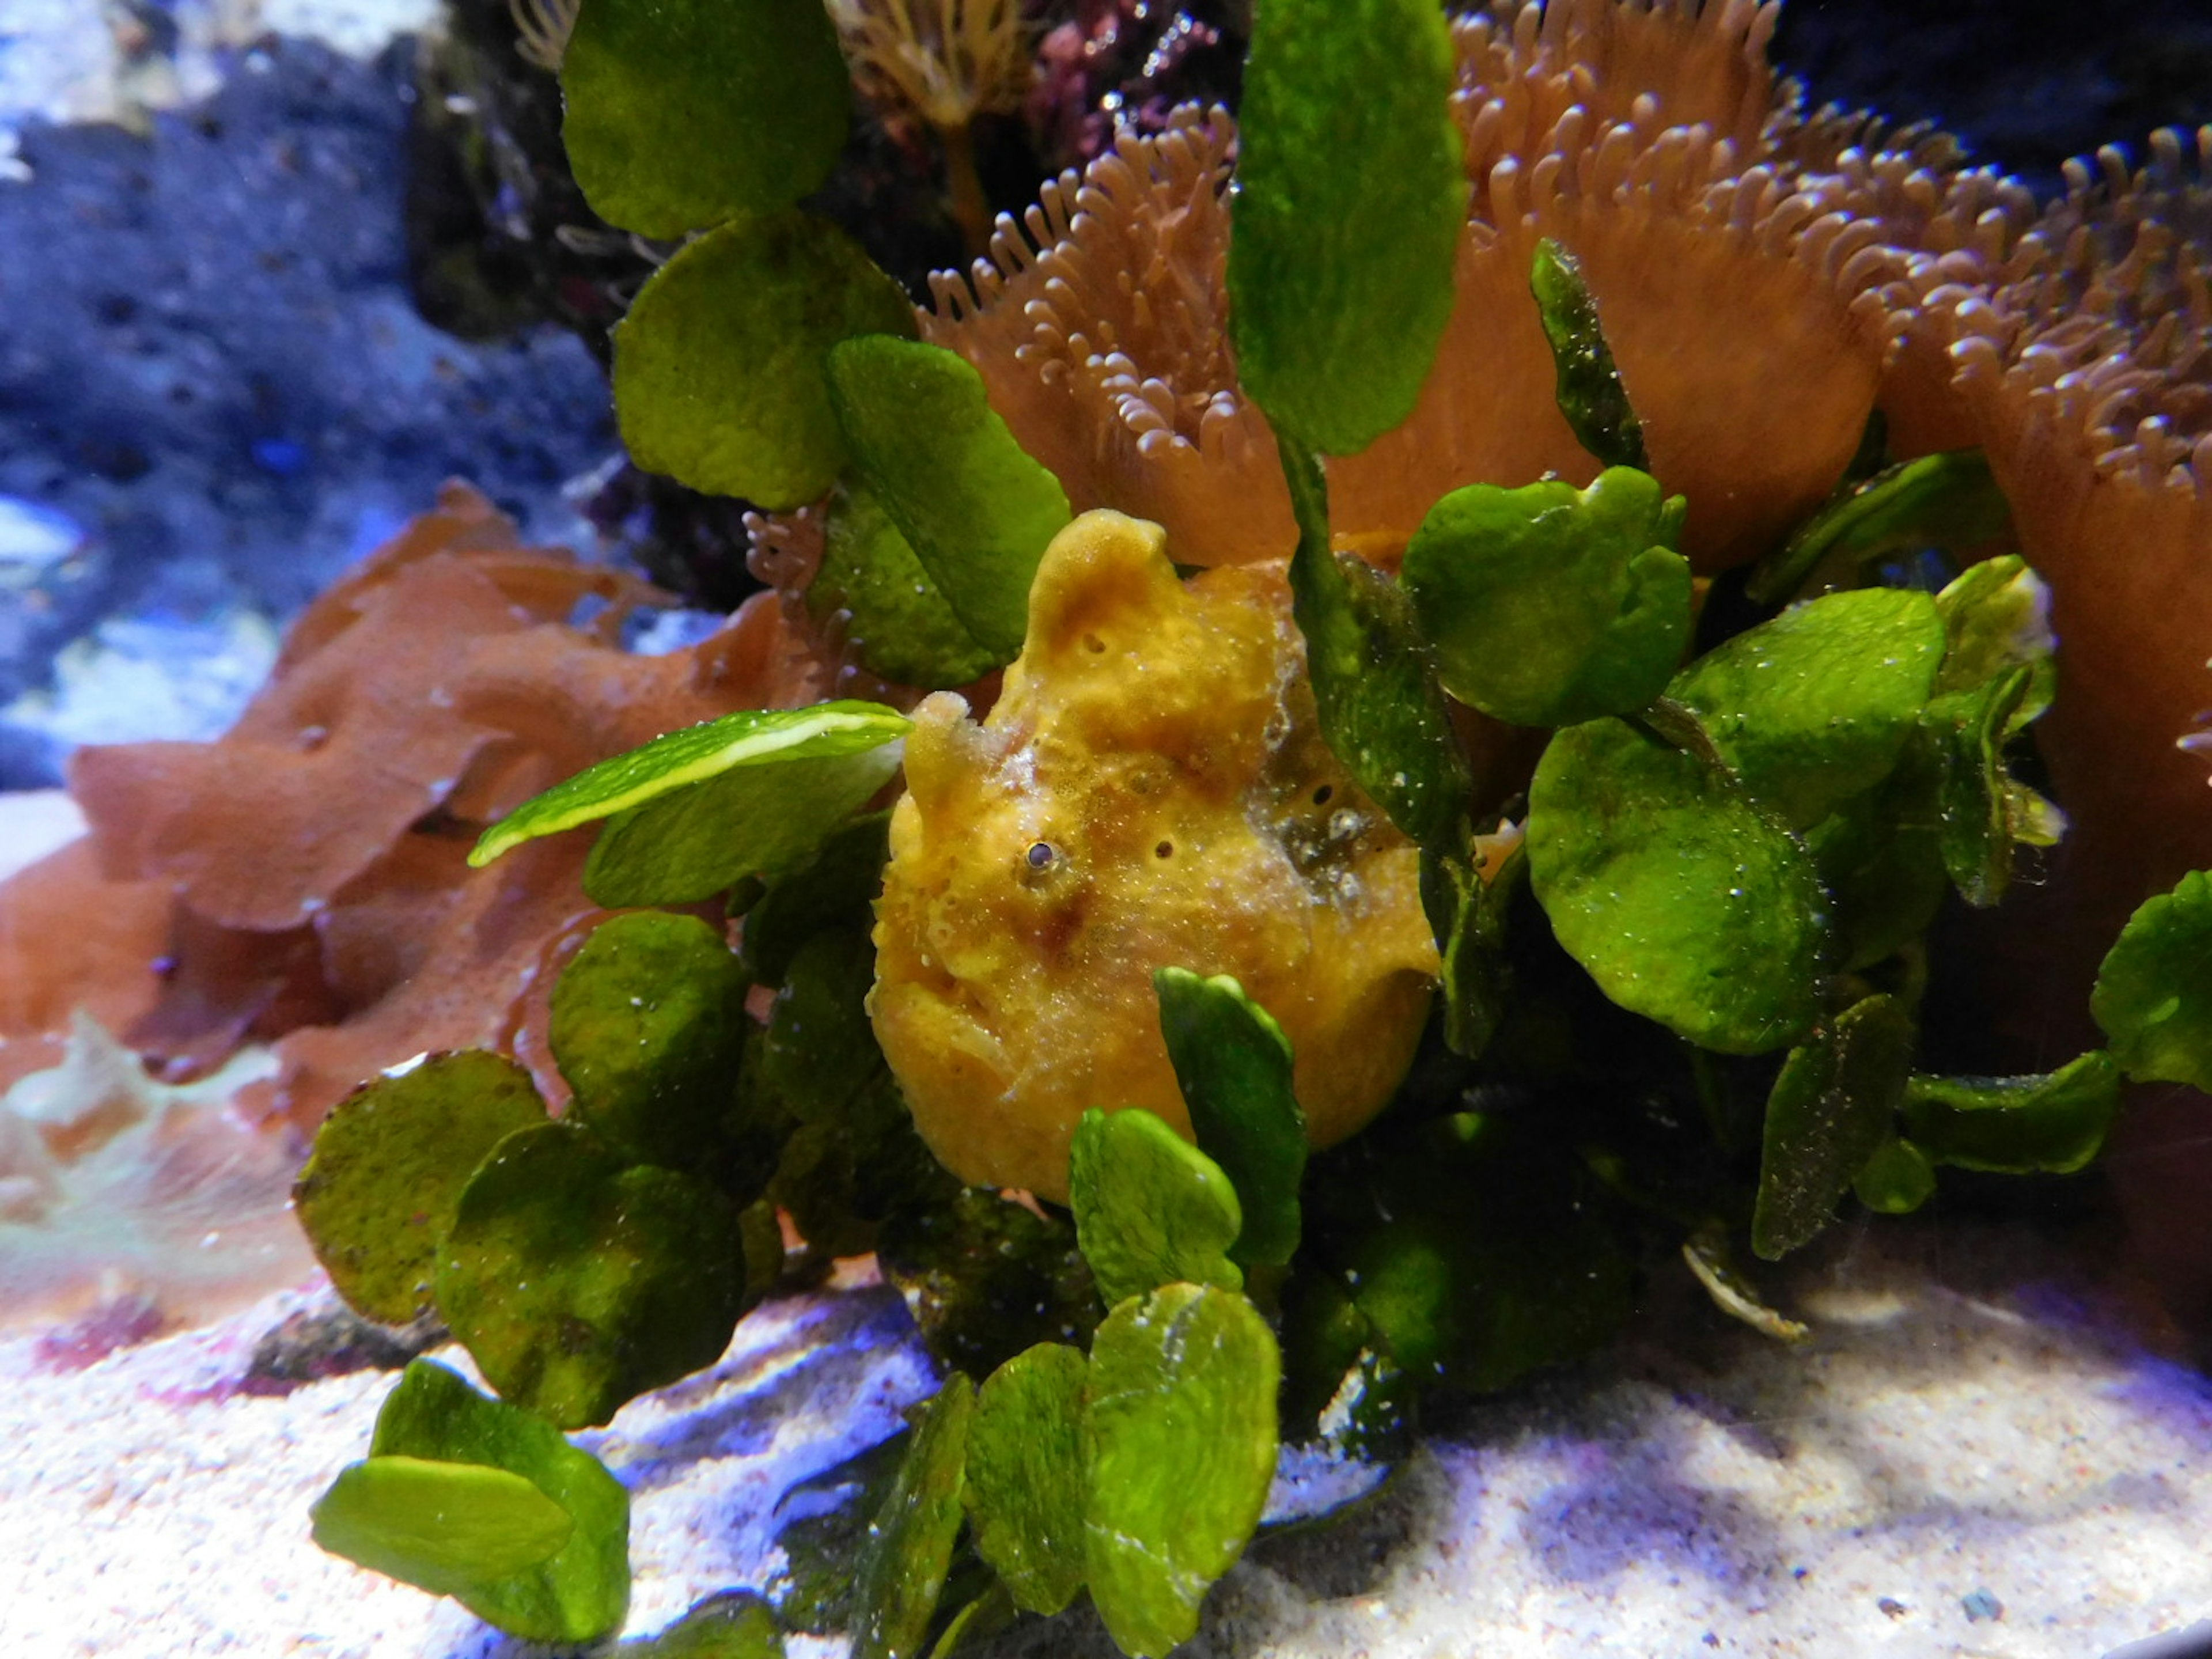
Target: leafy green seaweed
x=438 y=1505
x=1684 y=901
x=579 y=1280
x=379 y=1194
x=1150 y=1207
x=1028 y=1477
x=1548 y=605
x=719 y=369
x=648 y=1026
x=678 y=761
x=1180 y=1420
x=681 y=113
x=1589 y=393
x=902 y=1570
x=1233 y=1065
x=973 y=508
x=1382 y=711
x=1830 y=1112
x=1348 y=216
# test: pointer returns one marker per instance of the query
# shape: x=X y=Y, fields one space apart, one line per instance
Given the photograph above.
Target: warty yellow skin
x=1151 y=789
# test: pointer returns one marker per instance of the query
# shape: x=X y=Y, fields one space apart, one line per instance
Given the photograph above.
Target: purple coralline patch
x=124 y=1322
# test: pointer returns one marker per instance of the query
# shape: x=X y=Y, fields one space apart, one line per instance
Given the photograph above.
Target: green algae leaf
x=896 y=625
x=648 y=1025
x=834 y=888
x=2153 y=1000
x=1942 y=501
x=678 y=760
x=735 y=1624
x=1548 y=605
x=1829 y=1112
x=902 y=1569
x=1589 y=392
x=1996 y=617
x=751 y=821
x=1150 y=1207
x=976 y=510
x=2056 y=1122
x=1897 y=1180
x=680 y=113
x=443 y=1528
x=1028 y=1483
x=1680 y=897
x=579 y=1591
x=718 y=371
x=577 y=1280
x=1350 y=199
x=1232 y=1063
x=1180 y=1418
x=1382 y=711
x=1475 y=1253
x=1817 y=704
x=379 y=1194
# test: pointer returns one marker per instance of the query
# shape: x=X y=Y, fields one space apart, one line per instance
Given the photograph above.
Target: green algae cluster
x=1680 y=1010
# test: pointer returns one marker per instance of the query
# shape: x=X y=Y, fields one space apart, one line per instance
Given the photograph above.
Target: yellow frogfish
x=1151 y=789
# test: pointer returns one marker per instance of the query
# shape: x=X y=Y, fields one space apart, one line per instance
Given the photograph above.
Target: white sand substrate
x=1971 y=1459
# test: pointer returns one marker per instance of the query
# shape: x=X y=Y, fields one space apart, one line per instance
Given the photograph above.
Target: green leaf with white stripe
x=679 y=760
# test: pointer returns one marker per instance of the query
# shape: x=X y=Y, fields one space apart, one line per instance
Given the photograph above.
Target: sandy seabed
x=1971 y=1458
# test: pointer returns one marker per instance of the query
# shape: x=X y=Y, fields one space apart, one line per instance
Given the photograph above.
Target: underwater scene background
x=272 y=275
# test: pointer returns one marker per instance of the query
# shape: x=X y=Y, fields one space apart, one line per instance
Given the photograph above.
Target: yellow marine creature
x=1150 y=790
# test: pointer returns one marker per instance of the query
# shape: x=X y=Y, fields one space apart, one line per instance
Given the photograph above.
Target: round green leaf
x=389 y=1164
x=1232 y=1063
x=1027 y=1481
x=681 y=113
x=445 y=1528
x=648 y=1021
x=1548 y=605
x=976 y=510
x=578 y=1592
x=718 y=370
x=1150 y=1207
x=898 y=625
x=1816 y=705
x=1180 y=1424
x=1684 y=902
x=1351 y=198
x=577 y=1280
